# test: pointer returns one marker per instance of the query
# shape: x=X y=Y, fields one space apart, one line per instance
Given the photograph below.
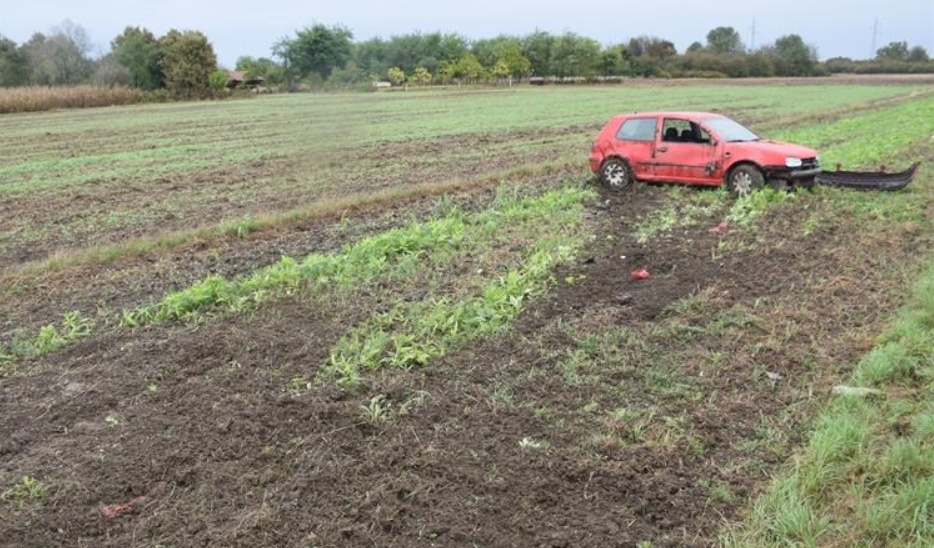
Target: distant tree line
x=323 y=53
x=183 y=63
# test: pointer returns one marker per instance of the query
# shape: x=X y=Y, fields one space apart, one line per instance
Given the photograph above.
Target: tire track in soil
x=227 y=457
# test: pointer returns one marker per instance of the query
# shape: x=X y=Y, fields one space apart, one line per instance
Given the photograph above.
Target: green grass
x=414 y=333
x=882 y=133
x=414 y=251
x=51 y=337
x=89 y=178
x=28 y=490
x=866 y=477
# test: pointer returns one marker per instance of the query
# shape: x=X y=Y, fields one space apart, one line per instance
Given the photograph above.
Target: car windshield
x=729 y=130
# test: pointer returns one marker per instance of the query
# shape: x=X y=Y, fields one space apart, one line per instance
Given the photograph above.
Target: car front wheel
x=744 y=179
x=615 y=174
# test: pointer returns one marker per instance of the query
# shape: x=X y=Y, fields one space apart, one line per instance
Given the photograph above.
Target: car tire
x=616 y=175
x=745 y=179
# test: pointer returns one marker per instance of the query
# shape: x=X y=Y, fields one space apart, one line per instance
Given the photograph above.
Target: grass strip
x=866 y=477
x=323 y=209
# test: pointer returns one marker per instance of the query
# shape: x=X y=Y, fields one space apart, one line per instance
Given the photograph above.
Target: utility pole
x=875 y=35
x=752 y=43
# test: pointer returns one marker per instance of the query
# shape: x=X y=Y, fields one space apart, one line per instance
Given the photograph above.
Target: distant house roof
x=238 y=77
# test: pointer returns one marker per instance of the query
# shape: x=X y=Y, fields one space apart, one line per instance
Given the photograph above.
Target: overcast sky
x=250 y=27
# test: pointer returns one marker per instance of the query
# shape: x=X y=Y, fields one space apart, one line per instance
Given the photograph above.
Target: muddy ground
x=194 y=435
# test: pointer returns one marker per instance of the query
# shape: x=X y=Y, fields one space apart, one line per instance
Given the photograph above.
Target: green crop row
x=394 y=254
x=871 y=138
x=412 y=334
x=51 y=337
x=399 y=250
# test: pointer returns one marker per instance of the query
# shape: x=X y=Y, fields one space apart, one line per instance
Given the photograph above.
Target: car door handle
x=663 y=149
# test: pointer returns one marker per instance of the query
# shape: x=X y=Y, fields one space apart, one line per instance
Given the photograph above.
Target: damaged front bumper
x=869 y=180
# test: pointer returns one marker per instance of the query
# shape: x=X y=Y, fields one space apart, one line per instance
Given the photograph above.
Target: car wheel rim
x=615 y=175
x=742 y=183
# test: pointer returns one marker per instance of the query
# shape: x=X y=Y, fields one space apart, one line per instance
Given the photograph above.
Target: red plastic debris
x=117 y=510
x=641 y=274
x=721 y=228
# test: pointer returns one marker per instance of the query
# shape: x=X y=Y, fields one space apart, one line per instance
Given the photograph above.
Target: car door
x=635 y=141
x=685 y=153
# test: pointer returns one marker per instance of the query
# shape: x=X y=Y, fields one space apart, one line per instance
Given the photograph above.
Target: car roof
x=672 y=114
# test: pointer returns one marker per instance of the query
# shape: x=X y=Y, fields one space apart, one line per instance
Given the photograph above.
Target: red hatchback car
x=696 y=148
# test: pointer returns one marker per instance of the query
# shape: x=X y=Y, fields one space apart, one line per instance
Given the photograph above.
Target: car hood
x=776 y=149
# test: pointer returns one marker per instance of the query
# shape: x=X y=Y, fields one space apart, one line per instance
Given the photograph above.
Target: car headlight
x=793 y=162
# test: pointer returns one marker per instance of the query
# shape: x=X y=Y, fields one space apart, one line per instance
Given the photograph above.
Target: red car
x=696 y=148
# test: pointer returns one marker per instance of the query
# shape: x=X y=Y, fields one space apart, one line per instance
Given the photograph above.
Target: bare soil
x=191 y=435
x=105 y=212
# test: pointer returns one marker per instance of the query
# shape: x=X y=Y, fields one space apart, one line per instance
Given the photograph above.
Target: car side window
x=637 y=129
x=676 y=130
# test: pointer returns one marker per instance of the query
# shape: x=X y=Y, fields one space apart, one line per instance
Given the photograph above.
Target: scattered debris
x=641 y=274
x=773 y=376
x=722 y=228
x=859 y=391
x=117 y=510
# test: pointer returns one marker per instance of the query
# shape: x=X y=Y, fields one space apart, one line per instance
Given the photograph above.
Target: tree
x=396 y=76
x=138 y=50
x=187 y=63
x=109 y=72
x=536 y=47
x=894 y=51
x=509 y=54
x=39 y=65
x=724 y=40
x=421 y=76
x=648 y=55
x=574 y=55
x=370 y=56
x=797 y=58
x=14 y=64
x=612 y=62
x=59 y=58
x=918 y=55
x=467 y=67
x=218 y=80
x=67 y=49
x=695 y=47
x=315 y=50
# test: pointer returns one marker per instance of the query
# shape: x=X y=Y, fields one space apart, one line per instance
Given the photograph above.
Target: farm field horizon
x=407 y=319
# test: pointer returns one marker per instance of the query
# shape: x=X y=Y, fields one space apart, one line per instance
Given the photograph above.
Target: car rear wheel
x=615 y=174
x=744 y=179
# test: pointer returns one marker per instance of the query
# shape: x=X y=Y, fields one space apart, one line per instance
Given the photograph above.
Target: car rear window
x=637 y=129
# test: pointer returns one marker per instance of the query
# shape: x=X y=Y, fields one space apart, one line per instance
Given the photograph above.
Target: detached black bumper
x=869 y=180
